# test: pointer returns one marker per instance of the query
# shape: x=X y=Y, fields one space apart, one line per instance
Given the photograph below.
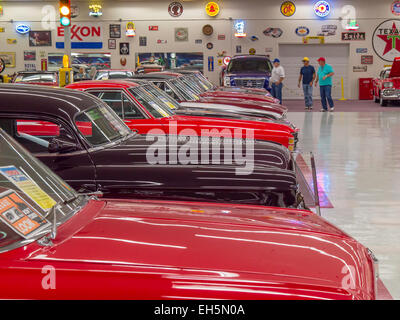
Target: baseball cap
x=306 y=59
x=277 y=60
x=321 y=59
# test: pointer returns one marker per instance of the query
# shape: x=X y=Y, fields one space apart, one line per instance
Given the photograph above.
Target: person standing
x=307 y=74
x=324 y=77
x=277 y=76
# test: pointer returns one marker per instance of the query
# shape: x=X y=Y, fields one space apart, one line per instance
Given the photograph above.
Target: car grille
x=249 y=82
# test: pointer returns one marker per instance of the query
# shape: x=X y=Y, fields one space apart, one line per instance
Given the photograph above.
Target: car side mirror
x=62 y=146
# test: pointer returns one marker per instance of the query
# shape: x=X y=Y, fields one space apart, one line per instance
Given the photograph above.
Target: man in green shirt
x=324 y=78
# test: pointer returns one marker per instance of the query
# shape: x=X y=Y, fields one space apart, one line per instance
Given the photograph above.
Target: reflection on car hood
x=266 y=249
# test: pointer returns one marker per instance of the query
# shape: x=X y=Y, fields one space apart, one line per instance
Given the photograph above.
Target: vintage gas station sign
x=386 y=40
x=83 y=36
x=288 y=8
x=212 y=9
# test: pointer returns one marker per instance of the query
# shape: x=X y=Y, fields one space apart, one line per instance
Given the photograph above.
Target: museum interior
x=200 y=150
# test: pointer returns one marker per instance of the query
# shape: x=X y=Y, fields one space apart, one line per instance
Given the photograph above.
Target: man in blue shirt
x=307 y=73
x=324 y=76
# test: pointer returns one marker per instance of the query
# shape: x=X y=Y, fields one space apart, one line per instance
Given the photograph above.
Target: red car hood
x=237 y=101
x=239 y=95
x=286 y=249
x=218 y=123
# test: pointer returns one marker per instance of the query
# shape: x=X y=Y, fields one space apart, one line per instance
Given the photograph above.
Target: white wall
x=258 y=15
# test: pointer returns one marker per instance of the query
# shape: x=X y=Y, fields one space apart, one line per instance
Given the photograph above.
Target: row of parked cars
x=79 y=194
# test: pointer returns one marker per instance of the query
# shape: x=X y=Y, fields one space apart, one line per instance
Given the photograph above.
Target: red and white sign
x=83 y=35
x=227 y=60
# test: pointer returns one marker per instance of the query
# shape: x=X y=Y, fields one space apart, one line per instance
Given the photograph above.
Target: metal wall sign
x=361 y=50
x=124 y=48
x=175 y=9
x=288 y=8
x=353 y=36
x=367 y=59
x=84 y=35
x=360 y=68
x=386 y=40
x=212 y=9
x=273 y=32
x=302 y=31
x=322 y=9
x=210 y=64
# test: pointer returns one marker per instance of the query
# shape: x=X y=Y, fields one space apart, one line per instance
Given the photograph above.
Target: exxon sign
x=83 y=36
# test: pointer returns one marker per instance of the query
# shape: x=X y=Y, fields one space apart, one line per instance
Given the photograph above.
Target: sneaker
x=332 y=109
x=306 y=108
x=323 y=110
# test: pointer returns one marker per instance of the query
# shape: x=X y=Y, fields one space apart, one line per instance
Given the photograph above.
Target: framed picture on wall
x=112 y=44
x=40 y=38
x=115 y=31
x=8 y=58
x=30 y=55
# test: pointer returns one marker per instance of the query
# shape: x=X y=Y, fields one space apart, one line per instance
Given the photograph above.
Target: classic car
x=214 y=110
x=252 y=71
x=43 y=78
x=180 y=89
x=58 y=244
x=85 y=142
x=198 y=76
x=387 y=87
x=106 y=74
x=143 y=110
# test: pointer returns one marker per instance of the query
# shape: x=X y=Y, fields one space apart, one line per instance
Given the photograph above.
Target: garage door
x=291 y=55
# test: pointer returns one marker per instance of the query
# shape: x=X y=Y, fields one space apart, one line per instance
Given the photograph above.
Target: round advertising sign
x=302 y=31
x=252 y=51
x=288 y=8
x=208 y=30
x=386 y=40
x=395 y=7
x=227 y=60
x=175 y=9
x=212 y=9
x=322 y=8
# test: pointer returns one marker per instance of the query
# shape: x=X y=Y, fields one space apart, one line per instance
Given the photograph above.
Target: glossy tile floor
x=358 y=160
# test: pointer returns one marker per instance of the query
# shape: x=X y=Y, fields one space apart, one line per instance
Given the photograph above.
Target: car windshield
x=249 y=65
x=204 y=81
x=28 y=190
x=100 y=125
x=151 y=101
x=193 y=84
x=114 y=75
x=187 y=92
x=163 y=96
x=35 y=78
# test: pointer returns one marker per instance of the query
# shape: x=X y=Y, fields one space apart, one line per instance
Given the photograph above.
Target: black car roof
x=60 y=102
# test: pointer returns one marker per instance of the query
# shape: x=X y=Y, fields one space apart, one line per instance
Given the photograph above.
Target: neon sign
x=22 y=28
x=322 y=9
x=352 y=25
x=239 y=27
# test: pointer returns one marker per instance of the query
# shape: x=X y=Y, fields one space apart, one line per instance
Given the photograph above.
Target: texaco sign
x=386 y=40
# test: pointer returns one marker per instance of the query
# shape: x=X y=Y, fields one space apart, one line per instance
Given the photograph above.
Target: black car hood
x=124 y=169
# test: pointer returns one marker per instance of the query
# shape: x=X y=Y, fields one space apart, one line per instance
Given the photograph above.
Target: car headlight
x=388 y=84
x=227 y=81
